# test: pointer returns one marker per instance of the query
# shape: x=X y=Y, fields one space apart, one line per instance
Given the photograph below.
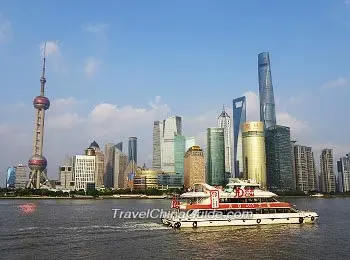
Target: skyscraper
x=267 y=100
x=279 y=169
x=327 y=171
x=239 y=117
x=132 y=149
x=179 y=153
x=305 y=170
x=224 y=121
x=194 y=166
x=84 y=170
x=216 y=174
x=21 y=176
x=11 y=177
x=120 y=163
x=119 y=146
x=163 y=143
x=109 y=165
x=254 y=156
x=37 y=163
x=99 y=168
x=157 y=142
x=344 y=173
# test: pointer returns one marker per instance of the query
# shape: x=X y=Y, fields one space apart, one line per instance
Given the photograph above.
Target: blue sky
x=108 y=60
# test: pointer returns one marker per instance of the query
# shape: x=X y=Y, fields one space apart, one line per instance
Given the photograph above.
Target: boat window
x=256 y=200
x=265 y=211
x=287 y=210
x=279 y=210
x=250 y=200
x=272 y=210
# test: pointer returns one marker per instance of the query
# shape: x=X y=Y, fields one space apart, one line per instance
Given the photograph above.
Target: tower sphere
x=41 y=102
x=37 y=163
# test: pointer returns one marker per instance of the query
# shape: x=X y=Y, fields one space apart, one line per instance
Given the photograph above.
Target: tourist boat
x=241 y=202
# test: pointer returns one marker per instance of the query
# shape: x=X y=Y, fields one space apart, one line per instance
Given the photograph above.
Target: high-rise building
x=129 y=175
x=194 y=167
x=239 y=117
x=181 y=145
x=225 y=122
x=279 y=164
x=119 y=146
x=132 y=149
x=66 y=174
x=21 y=176
x=11 y=177
x=37 y=163
x=119 y=167
x=84 y=169
x=344 y=173
x=179 y=153
x=100 y=168
x=109 y=165
x=163 y=143
x=254 y=156
x=157 y=142
x=327 y=171
x=267 y=100
x=305 y=170
x=216 y=174
x=172 y=126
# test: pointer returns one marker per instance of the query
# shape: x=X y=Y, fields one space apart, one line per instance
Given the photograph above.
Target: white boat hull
x=255 y=219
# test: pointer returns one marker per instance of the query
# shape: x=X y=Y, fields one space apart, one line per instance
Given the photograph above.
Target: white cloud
x=91 y=67
x=52 y=48
x=6 y=32
x=296 y=126
x=54 y=56
x=96 y=27
x=337 y=83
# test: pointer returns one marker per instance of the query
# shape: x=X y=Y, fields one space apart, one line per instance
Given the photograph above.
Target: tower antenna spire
x=223 y=107
x=43 y=79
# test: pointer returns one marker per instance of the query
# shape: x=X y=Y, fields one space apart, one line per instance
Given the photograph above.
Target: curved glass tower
x=267 y=100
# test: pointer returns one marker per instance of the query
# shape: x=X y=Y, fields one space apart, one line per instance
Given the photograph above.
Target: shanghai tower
x=37 y=163
x=267 y=100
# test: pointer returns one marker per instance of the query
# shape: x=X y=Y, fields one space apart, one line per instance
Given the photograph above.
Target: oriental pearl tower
x=37 y=163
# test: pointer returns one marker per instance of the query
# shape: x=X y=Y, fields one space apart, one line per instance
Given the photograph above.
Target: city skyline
x=84 y=101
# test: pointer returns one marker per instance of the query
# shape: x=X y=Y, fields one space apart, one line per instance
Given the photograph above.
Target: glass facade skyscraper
x=343 y=166
x=216 y=156
x=254 y=156
x=133 y=149
x=239 y=117
x=179 y=153
x=11 y=177
x=267 y=100
x=279 y=169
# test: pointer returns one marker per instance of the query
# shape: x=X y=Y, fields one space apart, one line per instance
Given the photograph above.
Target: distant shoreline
x=84 y=197
x=138 y=197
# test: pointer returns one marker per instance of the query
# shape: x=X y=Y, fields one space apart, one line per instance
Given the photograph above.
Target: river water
x=86 y=229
